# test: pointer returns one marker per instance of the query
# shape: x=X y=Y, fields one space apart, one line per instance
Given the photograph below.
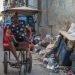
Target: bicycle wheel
x=5 y=63
x=30 y=64
x=23 y=70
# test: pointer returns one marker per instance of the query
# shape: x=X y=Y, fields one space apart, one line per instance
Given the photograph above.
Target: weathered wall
x=58 y=11
x=33 y=3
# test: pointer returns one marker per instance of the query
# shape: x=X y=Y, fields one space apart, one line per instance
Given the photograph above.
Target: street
x=46 y=28
x=37 y=69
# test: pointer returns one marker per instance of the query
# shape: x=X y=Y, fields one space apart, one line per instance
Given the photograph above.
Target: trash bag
x=72 y=28
x=52 y=63
x=44 y=44
x=36 y=40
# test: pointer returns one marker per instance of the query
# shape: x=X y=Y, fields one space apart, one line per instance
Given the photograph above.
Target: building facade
x=55 y=13
x=16 y=3
x=13 y=3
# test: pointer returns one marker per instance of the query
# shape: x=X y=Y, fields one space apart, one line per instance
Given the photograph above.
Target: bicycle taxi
x=25 y=14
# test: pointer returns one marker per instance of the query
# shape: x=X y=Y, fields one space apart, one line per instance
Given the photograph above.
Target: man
x=18 y=30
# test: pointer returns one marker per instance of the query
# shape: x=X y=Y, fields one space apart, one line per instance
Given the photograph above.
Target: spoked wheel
x=23 y=70
x=30 y=64
x=5 y=62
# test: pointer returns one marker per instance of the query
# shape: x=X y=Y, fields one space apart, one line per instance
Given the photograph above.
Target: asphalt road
x=37 y=69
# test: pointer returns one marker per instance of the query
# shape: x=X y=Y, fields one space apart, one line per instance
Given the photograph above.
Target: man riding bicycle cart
x=17 y=39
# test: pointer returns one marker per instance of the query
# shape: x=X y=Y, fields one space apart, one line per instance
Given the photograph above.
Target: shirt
x=18 y=30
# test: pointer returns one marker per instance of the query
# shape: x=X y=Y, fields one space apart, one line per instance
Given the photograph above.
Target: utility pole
x=47 y=12
x=39 y=14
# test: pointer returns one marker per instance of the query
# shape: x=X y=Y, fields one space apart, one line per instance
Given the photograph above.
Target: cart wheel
x=30 y=64
x=5 y=63
x=23 y=70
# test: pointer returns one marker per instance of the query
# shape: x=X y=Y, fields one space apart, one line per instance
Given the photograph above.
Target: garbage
x=44 y=51
x=36 y=39
x=44 y=44
x=45 y=61
x=37 y=47
x=41 y=45
x=71 y=72
x=51 y=63
x=48 y=37
x=73 y=34
x=46 y=40
x=50 y=46
x=53 y=54
x=71 y=30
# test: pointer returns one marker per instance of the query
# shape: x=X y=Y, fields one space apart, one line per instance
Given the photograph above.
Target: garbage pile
x=55 y=54
x=45 y=50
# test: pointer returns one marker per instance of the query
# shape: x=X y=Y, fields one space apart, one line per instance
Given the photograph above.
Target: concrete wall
x=57 y=13
x=44 y=29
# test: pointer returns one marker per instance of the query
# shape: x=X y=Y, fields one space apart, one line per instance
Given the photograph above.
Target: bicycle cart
x=23 y=65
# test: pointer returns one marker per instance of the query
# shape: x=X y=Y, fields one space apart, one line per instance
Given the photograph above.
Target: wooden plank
x=67 y=35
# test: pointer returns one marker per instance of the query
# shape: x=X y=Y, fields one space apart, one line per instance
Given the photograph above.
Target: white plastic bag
x=72 y=28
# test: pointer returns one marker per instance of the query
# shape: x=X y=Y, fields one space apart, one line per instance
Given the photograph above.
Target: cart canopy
x=23 y=10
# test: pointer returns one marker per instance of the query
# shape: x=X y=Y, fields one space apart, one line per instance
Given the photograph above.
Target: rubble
x=57 y=54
